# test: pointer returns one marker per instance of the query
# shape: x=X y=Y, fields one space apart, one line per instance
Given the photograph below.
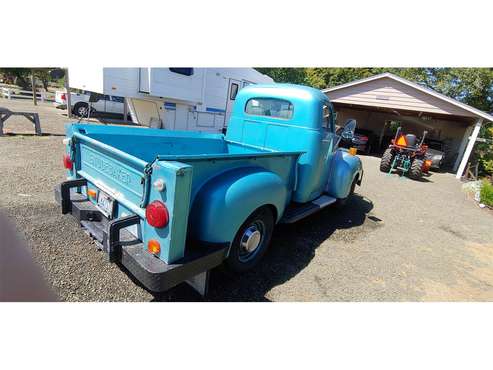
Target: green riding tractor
x=406 y=154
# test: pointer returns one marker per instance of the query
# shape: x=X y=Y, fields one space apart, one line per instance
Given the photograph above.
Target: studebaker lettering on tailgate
x=106 y=167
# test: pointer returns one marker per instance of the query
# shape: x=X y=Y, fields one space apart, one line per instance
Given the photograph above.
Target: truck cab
x=286 y=117
x=172 y=205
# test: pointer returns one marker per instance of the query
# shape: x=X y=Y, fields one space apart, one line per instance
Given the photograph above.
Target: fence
x=10 y=94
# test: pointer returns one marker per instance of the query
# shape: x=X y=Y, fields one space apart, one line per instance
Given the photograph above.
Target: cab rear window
x=269 y=107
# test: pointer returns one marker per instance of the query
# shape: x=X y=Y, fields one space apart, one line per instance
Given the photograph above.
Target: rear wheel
x=81 y=109
x=251 y=240
x=386 y=161
x=416 y=170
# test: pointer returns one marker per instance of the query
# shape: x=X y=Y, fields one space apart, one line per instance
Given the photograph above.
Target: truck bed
x=147 y=144
x=107 y=152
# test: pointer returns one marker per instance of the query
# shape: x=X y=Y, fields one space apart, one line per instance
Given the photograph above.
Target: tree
x=17 y=76
x=473 y=86
x=329 y=77
x=289 y=75
x=43 y=76
x=22 y=77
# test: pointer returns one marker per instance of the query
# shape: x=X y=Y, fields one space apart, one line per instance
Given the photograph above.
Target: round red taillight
x=157 y=214
x=67 y=162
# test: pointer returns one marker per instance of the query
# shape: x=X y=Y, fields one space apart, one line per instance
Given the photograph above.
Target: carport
x=378 y=102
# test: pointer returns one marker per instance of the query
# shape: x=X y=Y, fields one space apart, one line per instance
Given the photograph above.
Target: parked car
x=171 y=205
x=80 y=103
x=363 y=140
x=435 y=152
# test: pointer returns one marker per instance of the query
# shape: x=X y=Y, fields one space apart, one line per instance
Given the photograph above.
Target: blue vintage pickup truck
x=171 y=205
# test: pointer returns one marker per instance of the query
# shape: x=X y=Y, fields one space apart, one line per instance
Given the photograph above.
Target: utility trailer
x=172 y=205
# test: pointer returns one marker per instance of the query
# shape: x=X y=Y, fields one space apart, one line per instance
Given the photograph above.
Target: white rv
x=198 y=99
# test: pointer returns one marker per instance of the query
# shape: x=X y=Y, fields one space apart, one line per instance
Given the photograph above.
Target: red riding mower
x=407 y=155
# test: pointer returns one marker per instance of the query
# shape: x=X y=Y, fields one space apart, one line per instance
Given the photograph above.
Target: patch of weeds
x=486 y=194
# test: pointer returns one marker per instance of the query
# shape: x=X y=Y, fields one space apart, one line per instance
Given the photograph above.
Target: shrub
x=486 y=194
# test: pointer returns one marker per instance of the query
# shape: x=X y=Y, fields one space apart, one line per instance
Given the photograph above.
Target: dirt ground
x=397 y=240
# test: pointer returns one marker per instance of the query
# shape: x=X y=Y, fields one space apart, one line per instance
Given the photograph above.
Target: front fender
x=226 y=201
x=345 y=168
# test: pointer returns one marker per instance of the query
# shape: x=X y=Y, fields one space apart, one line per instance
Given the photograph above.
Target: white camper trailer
x=198 y=99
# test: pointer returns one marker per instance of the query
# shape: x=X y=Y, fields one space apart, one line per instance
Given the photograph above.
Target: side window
x=95 y=97
x=182 y=71
x=107 y=97
x=117 y=99
x=270 y=107
x=327 y=122
x=234 y=91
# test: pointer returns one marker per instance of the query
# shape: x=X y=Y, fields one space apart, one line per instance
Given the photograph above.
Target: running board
x=296 y=212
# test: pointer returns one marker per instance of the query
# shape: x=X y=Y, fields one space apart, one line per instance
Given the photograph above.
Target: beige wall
x=388 y=93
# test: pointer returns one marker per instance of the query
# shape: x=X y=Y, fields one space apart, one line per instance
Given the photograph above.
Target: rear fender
x=226 y=201
x=345 y=168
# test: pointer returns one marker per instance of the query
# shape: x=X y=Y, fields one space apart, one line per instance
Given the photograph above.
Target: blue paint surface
x=214 y=182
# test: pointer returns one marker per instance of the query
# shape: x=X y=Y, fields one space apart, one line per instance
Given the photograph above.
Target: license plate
x=105 y=204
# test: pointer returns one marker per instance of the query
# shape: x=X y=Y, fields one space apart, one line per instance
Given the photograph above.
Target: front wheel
x=416 y=170
x=251 y=240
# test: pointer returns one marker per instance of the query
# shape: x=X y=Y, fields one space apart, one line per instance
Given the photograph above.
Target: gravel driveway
x=397 y=240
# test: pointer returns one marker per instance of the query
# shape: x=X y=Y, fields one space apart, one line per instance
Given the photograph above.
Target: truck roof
x=307 y=103
x=286 y=90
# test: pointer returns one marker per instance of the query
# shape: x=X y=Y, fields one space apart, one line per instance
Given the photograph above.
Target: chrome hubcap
x=251 y=240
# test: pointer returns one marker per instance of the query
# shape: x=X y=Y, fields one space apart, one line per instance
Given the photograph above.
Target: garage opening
x=379 y=125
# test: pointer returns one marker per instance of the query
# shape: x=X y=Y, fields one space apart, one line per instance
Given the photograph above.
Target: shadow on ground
x=292 y=248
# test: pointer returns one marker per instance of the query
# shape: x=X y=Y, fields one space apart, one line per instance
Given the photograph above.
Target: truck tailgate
x=125 y=182
x=115 y=172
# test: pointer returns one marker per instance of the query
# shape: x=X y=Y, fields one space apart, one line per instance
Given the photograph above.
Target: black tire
x=81 y=109
x=386 y=161
x=416 y=169
x=341 y=203
x=240 y=259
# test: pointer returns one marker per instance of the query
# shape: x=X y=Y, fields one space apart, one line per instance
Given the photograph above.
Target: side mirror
x=347 y=133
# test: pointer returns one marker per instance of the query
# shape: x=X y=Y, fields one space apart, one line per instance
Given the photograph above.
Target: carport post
x=462 y=147
x=470 y=146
